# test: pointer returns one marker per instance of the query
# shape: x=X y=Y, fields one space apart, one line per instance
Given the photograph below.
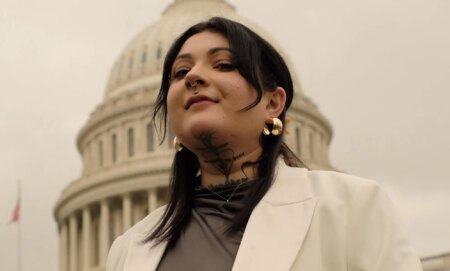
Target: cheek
x=173 y=98
x=241 y=93
x=172 y=102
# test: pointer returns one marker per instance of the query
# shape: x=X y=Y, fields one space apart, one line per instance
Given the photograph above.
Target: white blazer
x=307 y=221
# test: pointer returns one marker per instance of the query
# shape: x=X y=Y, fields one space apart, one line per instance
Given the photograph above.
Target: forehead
x=204 y=41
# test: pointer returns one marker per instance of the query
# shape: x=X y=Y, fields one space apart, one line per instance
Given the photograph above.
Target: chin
x=199 y=130
x=192 y=132
x=197 y=126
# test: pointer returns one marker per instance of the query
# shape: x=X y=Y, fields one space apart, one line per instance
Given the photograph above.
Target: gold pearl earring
x=277 y=127
x=266 y=130
x=177 y=145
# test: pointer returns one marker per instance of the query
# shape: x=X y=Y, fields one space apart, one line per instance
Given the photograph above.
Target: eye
x=225 y=66
x=180 y=73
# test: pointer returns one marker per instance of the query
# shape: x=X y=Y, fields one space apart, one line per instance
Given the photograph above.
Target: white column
x=86 y=238
x=126 y=211
x=152 y=200
x=117 y=217
x=63 y=249
x=318 y=140
x=73 y=239
x=104 y=233
x=324 y=149
x=327 y=148
x=312 y=145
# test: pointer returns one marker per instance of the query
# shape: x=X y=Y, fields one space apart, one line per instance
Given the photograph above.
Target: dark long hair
x=264 y=68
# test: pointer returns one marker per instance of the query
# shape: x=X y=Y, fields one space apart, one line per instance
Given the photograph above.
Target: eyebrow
x=211 y=51
x=218 y=49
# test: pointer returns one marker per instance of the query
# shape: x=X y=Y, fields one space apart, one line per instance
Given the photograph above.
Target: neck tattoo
x=221 y=157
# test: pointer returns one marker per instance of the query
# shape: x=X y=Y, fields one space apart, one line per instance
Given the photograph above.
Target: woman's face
x=213 y=105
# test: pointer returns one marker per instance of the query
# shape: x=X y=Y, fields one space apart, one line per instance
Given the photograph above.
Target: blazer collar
x=290 y=185
x=276 y=228
x=145 y=255
x=279 y=223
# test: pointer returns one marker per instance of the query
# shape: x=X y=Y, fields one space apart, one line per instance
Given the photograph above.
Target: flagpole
x=19 y=232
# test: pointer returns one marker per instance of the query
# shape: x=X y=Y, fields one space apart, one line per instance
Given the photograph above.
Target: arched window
x=100 y=153
x=114 y=147
x=298 y=140
x=159 y=51
x=144 y=56
x=130 y=61
x=130 y=142
x=150 y=139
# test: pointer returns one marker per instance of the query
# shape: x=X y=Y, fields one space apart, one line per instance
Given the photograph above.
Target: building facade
x=125 y=169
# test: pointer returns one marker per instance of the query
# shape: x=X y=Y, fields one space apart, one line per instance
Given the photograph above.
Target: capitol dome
x=125 y=169
x=140 y=63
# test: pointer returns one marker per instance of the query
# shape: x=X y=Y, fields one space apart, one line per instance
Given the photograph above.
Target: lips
x=197 y=98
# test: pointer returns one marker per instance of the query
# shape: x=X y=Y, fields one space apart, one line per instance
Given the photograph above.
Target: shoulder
x=322 y=184
x=375 y=234
x=293 y=184
x=137 y=233
x=353 y=198
x=336 y=184
x=349 y=198
x=342 y=201
x=359 y=197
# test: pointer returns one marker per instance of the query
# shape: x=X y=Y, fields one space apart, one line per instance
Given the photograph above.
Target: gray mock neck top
x=204 y=245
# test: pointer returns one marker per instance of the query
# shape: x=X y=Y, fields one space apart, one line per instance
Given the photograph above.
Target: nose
x=193 y=80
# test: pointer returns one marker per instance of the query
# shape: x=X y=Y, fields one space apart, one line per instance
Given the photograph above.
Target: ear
x=276 y=101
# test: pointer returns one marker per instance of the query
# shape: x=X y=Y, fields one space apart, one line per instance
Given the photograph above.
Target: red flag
x=16 y=214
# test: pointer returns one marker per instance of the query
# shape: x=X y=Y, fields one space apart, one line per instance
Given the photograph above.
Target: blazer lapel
x=278 y=225
x=142 y=255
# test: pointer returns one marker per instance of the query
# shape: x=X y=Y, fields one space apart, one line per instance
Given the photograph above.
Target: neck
x=221 y=163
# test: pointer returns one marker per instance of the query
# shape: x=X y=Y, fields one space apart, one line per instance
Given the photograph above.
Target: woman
x=239 y=198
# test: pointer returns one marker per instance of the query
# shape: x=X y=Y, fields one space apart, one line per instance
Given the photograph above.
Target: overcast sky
x=379 y=71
